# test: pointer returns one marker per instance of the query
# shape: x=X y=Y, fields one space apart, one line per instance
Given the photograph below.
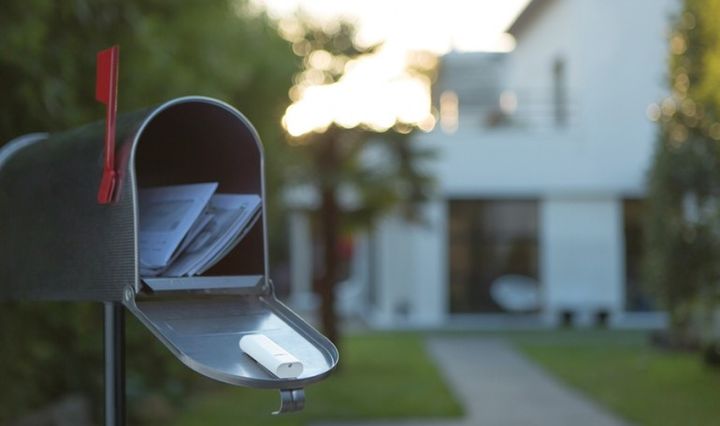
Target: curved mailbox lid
x=202 y=328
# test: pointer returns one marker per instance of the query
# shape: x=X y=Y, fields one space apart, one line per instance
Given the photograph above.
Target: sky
x=377 y=91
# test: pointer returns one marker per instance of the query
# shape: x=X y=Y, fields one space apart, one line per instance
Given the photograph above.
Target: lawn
x=620 y=370
x=382 y=376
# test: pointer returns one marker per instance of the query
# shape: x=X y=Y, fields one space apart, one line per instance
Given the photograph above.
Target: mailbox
x=60 y=244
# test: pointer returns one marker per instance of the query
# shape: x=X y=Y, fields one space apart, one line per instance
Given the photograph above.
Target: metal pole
x=114 y=364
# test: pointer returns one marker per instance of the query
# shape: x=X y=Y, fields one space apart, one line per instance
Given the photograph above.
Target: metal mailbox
x=60 y=244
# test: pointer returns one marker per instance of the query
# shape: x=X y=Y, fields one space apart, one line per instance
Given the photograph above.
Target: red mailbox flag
x=106 y=86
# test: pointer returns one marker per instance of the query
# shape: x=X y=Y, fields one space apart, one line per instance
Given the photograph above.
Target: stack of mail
x=186 y=229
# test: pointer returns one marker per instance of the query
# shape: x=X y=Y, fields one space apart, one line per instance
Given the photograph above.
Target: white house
x=542 y=156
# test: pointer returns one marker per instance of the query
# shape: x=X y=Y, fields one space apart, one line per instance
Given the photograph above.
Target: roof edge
x=531 y=11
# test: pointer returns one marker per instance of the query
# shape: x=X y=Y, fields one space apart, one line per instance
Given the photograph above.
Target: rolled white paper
x=272 y=356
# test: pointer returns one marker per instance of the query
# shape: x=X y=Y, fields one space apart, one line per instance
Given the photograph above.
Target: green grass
x=382 y=376
x=620 y=370
x=617 y=369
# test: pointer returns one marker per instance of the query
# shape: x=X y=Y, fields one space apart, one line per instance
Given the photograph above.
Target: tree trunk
x=329 y=222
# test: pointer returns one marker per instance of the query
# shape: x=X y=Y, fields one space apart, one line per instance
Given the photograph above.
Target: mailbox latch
x=291 y=400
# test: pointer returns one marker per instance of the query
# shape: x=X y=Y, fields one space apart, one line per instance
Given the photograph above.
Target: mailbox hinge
x=291 y=400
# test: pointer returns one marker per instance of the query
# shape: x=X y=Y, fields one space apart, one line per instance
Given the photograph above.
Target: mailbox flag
x=106 y=84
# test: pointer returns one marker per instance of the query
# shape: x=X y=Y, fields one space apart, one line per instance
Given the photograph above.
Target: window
x=489 y=239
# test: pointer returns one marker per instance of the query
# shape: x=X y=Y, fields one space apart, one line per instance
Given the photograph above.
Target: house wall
x=581 y=249
x=410 y=265
x=625 y=71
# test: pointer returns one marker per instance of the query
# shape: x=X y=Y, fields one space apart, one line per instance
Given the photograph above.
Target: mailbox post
x=114 y=349
x=68 y=247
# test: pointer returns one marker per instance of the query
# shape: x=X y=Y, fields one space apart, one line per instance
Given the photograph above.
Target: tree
x=217 y=48
x=331 y=156
x=682 y=263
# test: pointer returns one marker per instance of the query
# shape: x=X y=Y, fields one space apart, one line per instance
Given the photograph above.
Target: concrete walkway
x=499 y=387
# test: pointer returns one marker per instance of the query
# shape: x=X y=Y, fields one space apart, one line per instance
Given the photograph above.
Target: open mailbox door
x=66 y=246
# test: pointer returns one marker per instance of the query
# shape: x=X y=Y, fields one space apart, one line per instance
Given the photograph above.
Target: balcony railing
x=531 y=110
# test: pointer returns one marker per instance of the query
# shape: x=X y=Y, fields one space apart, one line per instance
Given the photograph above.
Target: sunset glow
x=377 y=91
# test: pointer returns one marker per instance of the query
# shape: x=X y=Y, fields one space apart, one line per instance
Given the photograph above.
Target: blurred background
x=450 y=185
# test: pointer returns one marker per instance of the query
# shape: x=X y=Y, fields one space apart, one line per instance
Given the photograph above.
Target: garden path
x=499 y=387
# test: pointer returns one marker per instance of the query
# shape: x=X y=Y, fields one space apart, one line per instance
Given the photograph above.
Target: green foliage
x=47 y=59
x=682 y=262
x=48 y=349
x=372 y=375
x=218 y=48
